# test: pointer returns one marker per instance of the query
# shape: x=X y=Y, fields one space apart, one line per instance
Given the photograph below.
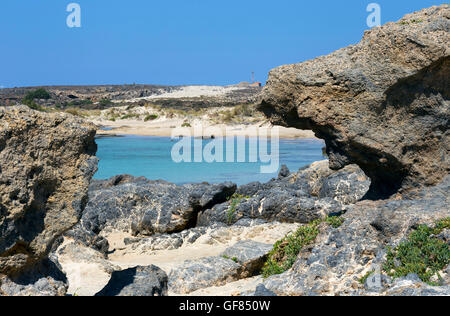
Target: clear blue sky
x=175 y=41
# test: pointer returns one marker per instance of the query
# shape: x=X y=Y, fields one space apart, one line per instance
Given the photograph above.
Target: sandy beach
x=173 y=128
x=153 y=120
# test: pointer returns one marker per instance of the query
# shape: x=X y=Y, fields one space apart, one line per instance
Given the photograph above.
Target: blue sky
x=175 y=42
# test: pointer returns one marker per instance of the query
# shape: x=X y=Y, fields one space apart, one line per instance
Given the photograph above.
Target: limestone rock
x=46 y=163
x=341 y=256
x=242 y=260
x=145 y=207
x=377 y=282
x=382 y=104
x=202 y=273
x=87 y=270
x=261 y=291
x=411 y=285
x=311 y=193
x=284 y=172
x=43 y=279
x=249 y=254
x=138 y=281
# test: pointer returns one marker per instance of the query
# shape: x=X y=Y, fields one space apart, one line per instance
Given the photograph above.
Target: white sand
x=168 y=124
x=172 y=127
x=191 y=92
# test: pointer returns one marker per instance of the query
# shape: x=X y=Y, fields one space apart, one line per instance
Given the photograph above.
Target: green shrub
x=105 y=102
x=75 y=112
x=33 y=105
x=37 y=94
x=413 y=21
x=150 y=117
x=81 y=112
x=285 y=251
x=335 y=221
x=366 y=276
x=422 y=253
x=76 y=103
x=243 y=110
x=185 y=124
x=129 y=116
x=228 y=258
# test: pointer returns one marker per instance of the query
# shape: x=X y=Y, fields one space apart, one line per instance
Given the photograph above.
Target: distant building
x=256 y=84
x=243 y=84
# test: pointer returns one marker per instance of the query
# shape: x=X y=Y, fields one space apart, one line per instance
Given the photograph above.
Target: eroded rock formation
x=301 y=197
x=382 y=104
x=144 y=208
x=339 y=257
x=46 y=163
x=137 y=281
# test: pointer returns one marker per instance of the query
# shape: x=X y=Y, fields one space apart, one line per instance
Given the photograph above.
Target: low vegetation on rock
x=38 y=94
x=33 y=105
x=236 y=199
x=334 y=221
x=422 y=253
x=186 y=124
x=366 y=276
x=105 y=102
x=286 y=250
x=150 y=117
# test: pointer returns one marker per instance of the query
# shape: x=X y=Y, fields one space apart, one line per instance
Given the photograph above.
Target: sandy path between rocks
x=88 y=272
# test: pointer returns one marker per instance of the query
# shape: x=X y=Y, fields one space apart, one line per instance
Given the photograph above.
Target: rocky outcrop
x=138 y=281
x=89 y=97
x=202 y=273
x=46 y=163
x=311 y=193
x=340 y=257
x=161 y=215
x=412 y=285
x=87 y=270
x=245 y=244
x=251 y=255
x=214 y=237
x=382 y=104
x=244 y=259
x=223 y=256
x=43 y=279
x=144 y=208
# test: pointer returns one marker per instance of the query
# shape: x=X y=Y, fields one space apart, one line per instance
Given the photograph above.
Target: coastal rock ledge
x=46 y=163
x=382 y=104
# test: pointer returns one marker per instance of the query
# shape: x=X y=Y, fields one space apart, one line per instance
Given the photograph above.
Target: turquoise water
x=151 y=157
